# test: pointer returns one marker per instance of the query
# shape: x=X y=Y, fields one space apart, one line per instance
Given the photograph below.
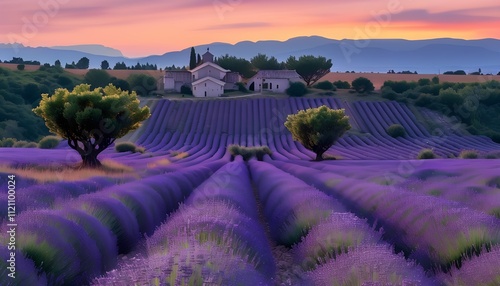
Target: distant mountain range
x=377 y=55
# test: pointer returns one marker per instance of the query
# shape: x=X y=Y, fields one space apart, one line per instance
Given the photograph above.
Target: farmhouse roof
x=209 y=64
x=287 y=74
x=219 y=82
x=171 y=72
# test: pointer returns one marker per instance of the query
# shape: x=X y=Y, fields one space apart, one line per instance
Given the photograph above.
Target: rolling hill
x=373 y=55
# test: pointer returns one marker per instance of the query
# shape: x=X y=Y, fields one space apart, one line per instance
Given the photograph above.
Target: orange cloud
x=156 y=26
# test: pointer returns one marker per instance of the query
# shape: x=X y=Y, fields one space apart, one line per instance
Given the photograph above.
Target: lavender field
x=185 y=213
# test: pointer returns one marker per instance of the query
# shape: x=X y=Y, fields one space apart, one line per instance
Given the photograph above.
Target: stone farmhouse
x=206 y=80
x=272 y=80
x=210 y=80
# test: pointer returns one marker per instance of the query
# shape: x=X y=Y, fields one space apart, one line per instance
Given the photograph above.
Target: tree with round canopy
x=91 y=120
x=318 y=128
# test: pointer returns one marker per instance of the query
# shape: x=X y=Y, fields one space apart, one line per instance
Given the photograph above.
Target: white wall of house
x=275 y=84
x=208 y=88
x=168 y=83
x=278 y=85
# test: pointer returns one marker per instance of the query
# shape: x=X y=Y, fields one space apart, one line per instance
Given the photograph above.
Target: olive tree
x=318 y=128
x=309 y=67
x=91 y=120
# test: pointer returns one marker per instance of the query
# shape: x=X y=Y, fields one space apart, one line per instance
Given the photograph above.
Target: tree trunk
x=319 y=156
x=90 y=161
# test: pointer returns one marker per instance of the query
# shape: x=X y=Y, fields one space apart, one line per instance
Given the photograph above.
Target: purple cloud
x=450 y=17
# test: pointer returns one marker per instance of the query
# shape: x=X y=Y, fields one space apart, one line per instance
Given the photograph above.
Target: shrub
x=424 y=81
x=363 y=85
x=186 y=90
x=20 y=144
x=411 y=94
x=342 y=84
x=120 y=83
x=468 y=154
x=97 y=78
x=241 y=87
x=399 y=86
x=435 y=80
x=249 y=152
x=31 y=145
x=424 y=100
x=21 y=67
x=296 y=89
x=128 y=147
x=325 y=85
x=7 y=142
x=396 y=130
x=426 y=154
x=142 y=84
x=450 y=98
x=388 y=93
x=493 y=155
x=430 y=89
x=64 y=81
x=49 y=142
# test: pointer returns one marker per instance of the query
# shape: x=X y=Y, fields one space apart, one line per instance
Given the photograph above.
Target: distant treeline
x=21 y=61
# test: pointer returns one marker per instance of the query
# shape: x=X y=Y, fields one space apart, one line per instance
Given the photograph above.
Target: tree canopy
x=97 y=78
x=105 y=65
x=91 y=120
x=309 y=67
x=241 y=65
x=262 y=62
x=83 y=63
x=318 y=128
x=192 y=59
x=142 y=84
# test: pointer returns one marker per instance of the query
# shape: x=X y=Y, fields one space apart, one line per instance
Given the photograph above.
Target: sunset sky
x=140 y=28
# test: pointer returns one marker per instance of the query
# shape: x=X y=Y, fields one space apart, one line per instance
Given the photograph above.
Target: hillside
x=431 y=56
x=203 y=129
x=265 y=218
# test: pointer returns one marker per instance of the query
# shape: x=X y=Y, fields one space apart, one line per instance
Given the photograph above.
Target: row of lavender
x=82 y=237
x=207 y=127
x=196 y=126
x=332 y=247
x=447 y=238
x=215 y=238
x=474 y=184
x=38 y=196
